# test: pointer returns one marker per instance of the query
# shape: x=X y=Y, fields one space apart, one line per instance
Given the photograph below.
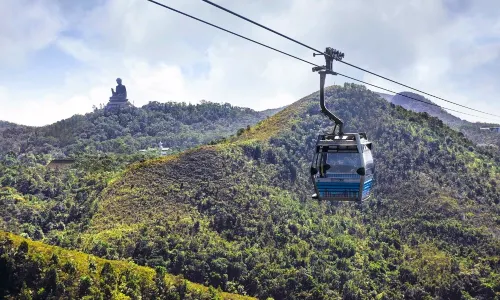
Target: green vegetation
x=33 y=270
x=243 y=207
x=237 y=214
x=46 y=204
x=470 y=130
x=177 y=125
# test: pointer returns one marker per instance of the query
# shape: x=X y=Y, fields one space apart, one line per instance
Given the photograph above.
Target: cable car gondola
x=342 y=168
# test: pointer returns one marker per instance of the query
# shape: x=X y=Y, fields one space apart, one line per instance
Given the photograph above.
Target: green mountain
x=470 y=130
x=243 y=209
x=177 y=125
x=237 y=214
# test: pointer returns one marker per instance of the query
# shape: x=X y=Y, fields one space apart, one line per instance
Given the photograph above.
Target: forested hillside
x=33 y=270
x=45 y=204
x=176 y=125
x=4 y=124
x=237 y=214
x=470 y=130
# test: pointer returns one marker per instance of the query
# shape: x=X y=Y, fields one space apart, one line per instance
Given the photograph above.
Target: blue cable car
x=342 y=168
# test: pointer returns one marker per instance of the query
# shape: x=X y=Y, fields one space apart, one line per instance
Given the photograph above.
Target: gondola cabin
x=342 y=168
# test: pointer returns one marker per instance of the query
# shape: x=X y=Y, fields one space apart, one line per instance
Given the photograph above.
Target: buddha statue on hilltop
x=121 y=92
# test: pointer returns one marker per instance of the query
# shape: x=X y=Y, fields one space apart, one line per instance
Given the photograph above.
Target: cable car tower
x=342 y=168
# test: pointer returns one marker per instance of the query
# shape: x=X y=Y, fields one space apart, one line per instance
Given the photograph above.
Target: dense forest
x=236 y=214
x=177 y=125
x=31 y=270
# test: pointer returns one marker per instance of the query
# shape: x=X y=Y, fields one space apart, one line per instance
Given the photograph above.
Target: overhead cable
x=341 y=61
x=303 y=60
x=226 y=30
x=412 y=98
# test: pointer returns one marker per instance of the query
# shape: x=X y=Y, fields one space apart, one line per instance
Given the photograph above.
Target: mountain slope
x=177 y=125
x=33 y=270
x=4 y=124
x=425 y=105
x=470 y=130
x=238 y=214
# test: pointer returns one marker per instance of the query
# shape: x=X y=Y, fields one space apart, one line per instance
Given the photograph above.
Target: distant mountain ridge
x=424 y=105
x=177 y=125
x=5 y=124
x=469 y=129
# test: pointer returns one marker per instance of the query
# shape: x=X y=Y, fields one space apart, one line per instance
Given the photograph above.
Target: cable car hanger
x=330 y=55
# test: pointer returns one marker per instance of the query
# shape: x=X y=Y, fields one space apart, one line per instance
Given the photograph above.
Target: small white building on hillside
x=160 y=149
x=163 y=150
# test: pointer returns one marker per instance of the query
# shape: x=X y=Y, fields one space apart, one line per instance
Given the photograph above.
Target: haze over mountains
x=236 y=213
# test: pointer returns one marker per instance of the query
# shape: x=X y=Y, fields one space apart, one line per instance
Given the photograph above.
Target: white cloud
x=34 y=109
x=26 y=26
x=79 y=50
x=155 y=51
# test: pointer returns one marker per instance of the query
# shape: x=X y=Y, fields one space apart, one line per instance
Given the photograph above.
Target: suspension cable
x=341 y=61
x=303 y=60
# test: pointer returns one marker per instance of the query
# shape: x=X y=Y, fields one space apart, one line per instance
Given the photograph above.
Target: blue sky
x=59 y=58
